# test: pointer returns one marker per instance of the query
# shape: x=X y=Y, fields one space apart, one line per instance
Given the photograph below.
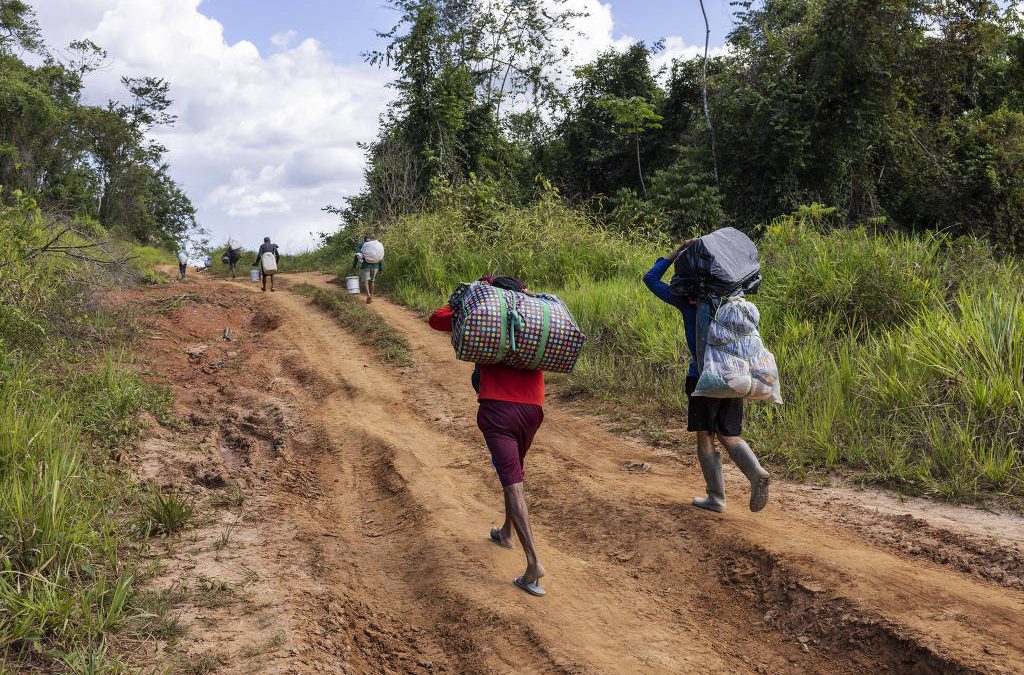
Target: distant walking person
x=510 y=413
x=369 y=258
x=232 y=256
x=267 y=258
x=182 y=263
x=710 y=418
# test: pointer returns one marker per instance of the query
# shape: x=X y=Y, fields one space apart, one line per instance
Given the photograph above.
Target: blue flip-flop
x=533 y=588
x=496 y=538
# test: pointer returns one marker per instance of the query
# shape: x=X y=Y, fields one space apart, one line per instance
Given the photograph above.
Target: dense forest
x=906 y=114
x=94 y=164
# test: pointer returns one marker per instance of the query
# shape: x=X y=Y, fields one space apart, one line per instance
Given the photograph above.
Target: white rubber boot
x=711 y=467
x=746 y=461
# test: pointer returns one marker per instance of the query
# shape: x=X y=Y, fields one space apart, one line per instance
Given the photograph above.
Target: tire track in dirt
x=373 y=495
x=454 y=562
x=810 y=578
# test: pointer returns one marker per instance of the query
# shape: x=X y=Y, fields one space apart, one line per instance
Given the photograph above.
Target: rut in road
x=396 y=545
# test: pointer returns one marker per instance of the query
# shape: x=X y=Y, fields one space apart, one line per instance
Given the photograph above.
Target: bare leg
x=504 y=533
x=515 y=500
x=369 y=291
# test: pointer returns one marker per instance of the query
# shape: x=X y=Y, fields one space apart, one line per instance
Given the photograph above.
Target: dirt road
x=348 y=505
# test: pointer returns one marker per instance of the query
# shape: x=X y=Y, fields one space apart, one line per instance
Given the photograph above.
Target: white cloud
x=284 y=39
x=595 y=33
x=262 y=142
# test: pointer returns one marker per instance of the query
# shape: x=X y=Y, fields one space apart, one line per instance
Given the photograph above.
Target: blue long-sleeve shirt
x=653 y=281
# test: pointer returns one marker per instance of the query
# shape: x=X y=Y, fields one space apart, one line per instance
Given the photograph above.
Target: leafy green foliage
x=460 y=65
x=81 y=160
x=902 y=113
x=901 y=355
x=65 y=407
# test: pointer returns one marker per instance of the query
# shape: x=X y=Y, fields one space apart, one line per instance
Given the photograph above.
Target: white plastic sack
x=372 y=251
x=736 y=363
x=182 y=257
x=269 y=262
x=234 y=244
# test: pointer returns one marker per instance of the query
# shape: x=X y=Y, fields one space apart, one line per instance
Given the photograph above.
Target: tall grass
x=64 y=583
x=902 y=356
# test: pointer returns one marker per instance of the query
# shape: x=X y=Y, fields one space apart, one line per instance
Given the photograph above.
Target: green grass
x=68 y=403
x=389 y=344
x=164 y=513
x=64 y=584
x=902 y=357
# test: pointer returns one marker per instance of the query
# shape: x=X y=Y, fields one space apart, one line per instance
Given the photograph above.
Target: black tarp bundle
x=717 y=265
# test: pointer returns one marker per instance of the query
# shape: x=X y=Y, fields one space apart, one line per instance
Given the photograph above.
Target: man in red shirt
x=511 y=410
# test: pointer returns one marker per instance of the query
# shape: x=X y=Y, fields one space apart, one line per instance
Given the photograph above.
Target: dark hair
x=266 y=240
x=508 y=283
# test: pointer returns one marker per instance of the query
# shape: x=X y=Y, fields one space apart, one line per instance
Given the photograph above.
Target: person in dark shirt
x=233 y=255
x=267 y=247
x=368 y=271
x=710 y=418
x=510 y=413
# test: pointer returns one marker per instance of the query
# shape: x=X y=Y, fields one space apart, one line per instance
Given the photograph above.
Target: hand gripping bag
x=372 y=251
x=717 y=265
x=532 y=332
x=736 y=363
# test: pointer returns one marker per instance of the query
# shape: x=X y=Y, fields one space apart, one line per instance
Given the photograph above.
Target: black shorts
x=717 y=415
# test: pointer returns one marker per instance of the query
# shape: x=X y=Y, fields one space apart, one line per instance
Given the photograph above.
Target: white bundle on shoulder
x=736 y=363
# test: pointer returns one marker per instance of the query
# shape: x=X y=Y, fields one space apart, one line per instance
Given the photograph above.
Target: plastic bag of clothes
x=735 y=361
x=531 y=332
x=717 y=265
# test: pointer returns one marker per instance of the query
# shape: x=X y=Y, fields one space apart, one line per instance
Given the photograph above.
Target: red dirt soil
x=345 y=507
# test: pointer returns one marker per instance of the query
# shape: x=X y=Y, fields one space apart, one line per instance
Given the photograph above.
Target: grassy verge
x=390 y=345
x=68 y=514
x=902 y=357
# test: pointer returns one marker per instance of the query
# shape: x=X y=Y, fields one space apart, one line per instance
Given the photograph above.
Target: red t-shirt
x=499 y=382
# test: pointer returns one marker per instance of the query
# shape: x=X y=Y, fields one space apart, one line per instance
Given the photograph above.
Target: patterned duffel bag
x=532 y=332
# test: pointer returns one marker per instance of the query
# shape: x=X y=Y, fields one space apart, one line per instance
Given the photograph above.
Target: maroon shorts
x=509 y=429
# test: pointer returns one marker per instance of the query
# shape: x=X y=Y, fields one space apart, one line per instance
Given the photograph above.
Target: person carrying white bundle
x=182 y=263
x=369 y=258
x=267 y=258
x=721 y=265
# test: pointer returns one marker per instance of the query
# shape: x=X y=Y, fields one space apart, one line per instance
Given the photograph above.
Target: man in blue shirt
x=710 y=417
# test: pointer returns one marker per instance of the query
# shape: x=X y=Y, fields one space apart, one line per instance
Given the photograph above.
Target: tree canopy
x=85 y=161
x=899 y=113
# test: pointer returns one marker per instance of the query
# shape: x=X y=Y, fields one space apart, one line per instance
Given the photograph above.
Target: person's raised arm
x=441 y=319
x=653 y=278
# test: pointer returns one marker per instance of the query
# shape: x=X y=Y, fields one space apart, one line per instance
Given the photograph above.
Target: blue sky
x=273 y=97
x=347 y=28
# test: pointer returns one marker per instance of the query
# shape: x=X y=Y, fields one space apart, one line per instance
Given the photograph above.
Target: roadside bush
x=901 y=355
x=64 y=584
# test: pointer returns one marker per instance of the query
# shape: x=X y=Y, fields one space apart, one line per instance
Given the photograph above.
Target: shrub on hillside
x=901 y=356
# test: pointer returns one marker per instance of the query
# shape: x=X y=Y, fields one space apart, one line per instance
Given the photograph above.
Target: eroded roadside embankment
x=348 y=504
